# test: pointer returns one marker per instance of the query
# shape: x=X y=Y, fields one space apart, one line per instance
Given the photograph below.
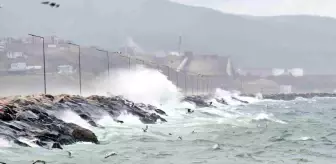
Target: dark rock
x=197 y=100
x=85 y=135
x=21 y=143
x=26 y=115
x=92 y=123
x=6 y=117
x=222 y=101
x=160 y=112
x=34 y=117
x=48 y=136
x=40 y=143
x=242 y=101
x=50 y=97
x=56 y=145
x=119 y=121
x=66 y=140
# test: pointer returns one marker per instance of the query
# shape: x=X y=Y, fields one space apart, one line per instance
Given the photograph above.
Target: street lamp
x=79 y=67
x=198 y=90
x=185 y=82
x=192 y=84
x=168 y=68
x=44 y=62
x=108 y=61
x=177 y=79
x=129 y=61
x=208 y=81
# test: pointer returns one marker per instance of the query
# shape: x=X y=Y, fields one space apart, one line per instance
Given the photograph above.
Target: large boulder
x=82 y=134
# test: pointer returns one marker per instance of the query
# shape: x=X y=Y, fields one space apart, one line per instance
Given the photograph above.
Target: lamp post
x=129 y=61
x=79 y=67
x=185 y=82
x=108 y=61
x=177 y=79
x=208 y=81
x=192 y=84
x=44 y=62
x=168 y=68
x=198 y=90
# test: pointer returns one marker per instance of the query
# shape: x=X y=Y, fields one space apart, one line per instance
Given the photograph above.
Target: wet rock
x=84 y=116
x=242 y=101
x=197 y=100
x=6 y=117
x=26 y=115
x=66 y=140
x=119 y=121
x=222 y=101
x=56 y=145
x=48 y=136
x=160 y=112
x=21 y=143
x=40 y=143
x=92 y=123
x=84 y=135
x=34 y=117
x=51 y=97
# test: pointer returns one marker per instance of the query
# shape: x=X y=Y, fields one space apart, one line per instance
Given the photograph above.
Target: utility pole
x=108 y=61
x=44 y=62
x=185 y=82
x=79 y=67
x=180 y=44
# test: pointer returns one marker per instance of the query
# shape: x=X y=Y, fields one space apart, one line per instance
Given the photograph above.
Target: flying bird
x=145 y=130
x=51 y=4
x=110 y=155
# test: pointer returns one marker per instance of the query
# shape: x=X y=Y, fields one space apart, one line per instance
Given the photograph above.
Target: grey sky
x=269 y=7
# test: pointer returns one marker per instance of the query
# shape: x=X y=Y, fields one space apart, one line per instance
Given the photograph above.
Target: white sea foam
x=4 y=143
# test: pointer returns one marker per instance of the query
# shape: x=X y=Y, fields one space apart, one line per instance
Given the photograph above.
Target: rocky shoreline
x=34 y=117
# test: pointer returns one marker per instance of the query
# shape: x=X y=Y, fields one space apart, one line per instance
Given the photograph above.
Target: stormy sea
x=143 y=118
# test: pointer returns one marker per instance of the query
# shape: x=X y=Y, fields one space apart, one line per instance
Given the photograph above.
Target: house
x=65 y=69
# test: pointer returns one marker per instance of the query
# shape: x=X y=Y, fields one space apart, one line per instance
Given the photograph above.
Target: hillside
x=284 y=41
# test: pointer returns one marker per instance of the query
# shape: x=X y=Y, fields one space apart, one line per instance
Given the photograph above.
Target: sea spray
x=141 y=85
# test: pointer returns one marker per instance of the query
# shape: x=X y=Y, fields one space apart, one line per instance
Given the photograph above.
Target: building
x=14 y=55
x=208 y=65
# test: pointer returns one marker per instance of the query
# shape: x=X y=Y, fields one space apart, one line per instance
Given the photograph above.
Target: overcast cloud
x=269 y=7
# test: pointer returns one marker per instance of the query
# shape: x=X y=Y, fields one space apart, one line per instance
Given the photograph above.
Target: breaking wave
x=149 y=86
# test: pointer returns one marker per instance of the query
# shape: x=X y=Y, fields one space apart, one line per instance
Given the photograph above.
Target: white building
x=14 y=55
x=296 y=72
x=65 y=69
x=18 y=67
x=278 y=71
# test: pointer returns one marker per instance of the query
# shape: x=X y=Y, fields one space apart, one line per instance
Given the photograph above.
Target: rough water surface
x=267 y=131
